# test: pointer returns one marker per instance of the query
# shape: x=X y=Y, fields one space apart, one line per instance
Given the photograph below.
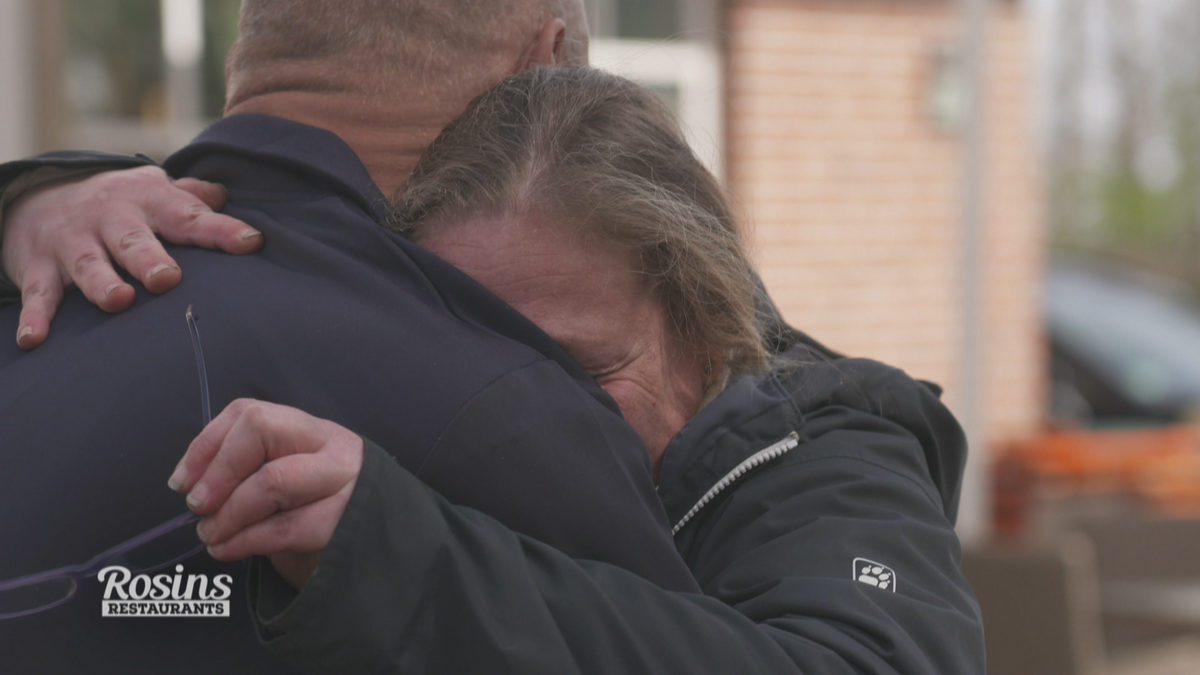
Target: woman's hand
x=272 y=481
x=69 y=233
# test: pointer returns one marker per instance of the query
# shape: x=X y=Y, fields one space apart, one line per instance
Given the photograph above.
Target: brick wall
x=852 y=195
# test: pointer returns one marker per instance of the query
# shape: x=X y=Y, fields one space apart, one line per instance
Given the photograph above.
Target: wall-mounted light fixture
x=947 y=99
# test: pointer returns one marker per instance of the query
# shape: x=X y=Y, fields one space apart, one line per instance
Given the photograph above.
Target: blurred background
x=1000 y=196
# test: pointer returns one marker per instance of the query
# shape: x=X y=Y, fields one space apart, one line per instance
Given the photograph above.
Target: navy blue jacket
x=339 y=317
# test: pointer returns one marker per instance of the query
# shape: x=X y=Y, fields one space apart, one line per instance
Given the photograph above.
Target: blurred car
x=1125 y=346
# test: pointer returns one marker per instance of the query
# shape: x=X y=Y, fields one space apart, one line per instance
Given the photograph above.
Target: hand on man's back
x=70 y=233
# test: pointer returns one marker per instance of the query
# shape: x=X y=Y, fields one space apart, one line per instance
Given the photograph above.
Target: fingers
x=213 y=195
x=243 y=451
x=249 y=434
x=86 y=263
x=219 y=231
x=193 y=221
x=182 y=212
x=135 y=248
x=304 y=528
x=285 y=484
x=272 y=480
x=41 y=294
x=204 y=448
x=80 y=227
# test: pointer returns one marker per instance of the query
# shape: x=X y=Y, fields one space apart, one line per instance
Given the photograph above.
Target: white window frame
x=691 y=68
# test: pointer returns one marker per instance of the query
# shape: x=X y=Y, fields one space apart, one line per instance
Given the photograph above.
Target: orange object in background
x=1157 y=466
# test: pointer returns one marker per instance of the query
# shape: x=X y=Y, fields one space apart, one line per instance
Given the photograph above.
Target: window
x=143 y=75
x=671 y=47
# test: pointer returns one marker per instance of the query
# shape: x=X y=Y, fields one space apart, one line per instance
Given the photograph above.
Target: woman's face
x=593 y=301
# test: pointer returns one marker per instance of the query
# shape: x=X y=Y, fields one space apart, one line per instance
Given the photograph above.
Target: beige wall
x=853 y=195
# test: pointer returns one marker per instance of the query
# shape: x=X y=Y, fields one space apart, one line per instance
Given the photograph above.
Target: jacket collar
x=752 y=413
x=315 y=153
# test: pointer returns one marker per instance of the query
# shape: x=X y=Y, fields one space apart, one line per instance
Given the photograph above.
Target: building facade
x=845 y=157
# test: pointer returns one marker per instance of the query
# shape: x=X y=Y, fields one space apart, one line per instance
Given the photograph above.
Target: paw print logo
x=874 y=574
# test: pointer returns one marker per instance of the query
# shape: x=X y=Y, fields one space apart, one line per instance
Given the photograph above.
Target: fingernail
x=108 y=291
x=154 y=272
x=197 y=496
x=201 y=531
x=175 y=482
x=25 y=332
x=215 y=551
x=250 y=234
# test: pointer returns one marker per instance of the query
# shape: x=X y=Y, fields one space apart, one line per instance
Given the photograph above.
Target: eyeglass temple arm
x=205 y=406
x=93 y=566
x=99 y=560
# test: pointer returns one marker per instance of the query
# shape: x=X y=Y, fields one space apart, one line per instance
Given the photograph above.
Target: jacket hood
x=755 y=412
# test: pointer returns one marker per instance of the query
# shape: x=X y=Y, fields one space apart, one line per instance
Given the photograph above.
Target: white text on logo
x=164 y=595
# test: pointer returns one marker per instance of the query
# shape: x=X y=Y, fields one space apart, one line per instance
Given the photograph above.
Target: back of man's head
x=385 y=47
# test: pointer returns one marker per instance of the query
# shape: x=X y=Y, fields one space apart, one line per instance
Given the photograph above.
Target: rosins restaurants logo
x=164 y=595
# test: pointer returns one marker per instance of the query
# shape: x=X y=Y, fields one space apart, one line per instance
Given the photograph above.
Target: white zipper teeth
x=765 y=455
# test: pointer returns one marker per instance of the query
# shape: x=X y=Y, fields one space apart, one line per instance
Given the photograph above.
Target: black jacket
x=338 y=317
x=814 y=505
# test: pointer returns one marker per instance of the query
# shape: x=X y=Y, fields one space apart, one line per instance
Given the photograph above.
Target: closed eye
x=601 y=361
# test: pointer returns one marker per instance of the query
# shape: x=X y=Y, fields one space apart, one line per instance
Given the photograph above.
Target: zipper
x=767 y=454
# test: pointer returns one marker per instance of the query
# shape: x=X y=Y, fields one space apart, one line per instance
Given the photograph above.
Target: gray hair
x=455 y=41
x=607 y=157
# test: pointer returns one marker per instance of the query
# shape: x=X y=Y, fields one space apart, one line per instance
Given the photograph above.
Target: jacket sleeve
x=841 y=554
x=413 y=584
x=20 y=176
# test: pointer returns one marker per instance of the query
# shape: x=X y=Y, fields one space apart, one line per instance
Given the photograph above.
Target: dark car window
x=1143 y=337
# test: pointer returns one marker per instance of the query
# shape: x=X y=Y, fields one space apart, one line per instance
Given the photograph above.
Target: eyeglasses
x=150 y=551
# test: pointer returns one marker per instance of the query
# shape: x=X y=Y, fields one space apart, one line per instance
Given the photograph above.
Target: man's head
x=572 y=195
x=409 y=47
